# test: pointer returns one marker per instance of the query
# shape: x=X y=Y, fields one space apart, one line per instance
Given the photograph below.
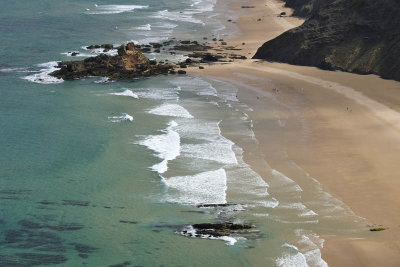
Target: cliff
x=361 y=36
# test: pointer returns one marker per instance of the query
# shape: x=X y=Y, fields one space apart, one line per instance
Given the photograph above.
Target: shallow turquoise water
x=81 y=186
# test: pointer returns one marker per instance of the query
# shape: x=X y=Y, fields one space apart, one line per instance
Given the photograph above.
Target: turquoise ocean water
x=100 y=173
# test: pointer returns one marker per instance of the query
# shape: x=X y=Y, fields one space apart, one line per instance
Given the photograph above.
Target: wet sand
x=341 y=128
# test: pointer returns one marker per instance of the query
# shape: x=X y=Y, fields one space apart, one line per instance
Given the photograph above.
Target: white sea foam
x=285 y=183
x=69 y=54
x=166 y=146
x=113 y=9
x=304 y=211
x=159 y=93
x=203 y=6
x=127 y=92
x=292 y=260
x=307 y=253
x=146 y=27
x=95 y=52
x=189 y=231
x=211 y=146
x=220 y=151
x=104 y=80
x=43 y=76
x=173 y=110
x=16 y=70
x=164 y=25
x=184 y=16
x=203 y=188
x=123 y=117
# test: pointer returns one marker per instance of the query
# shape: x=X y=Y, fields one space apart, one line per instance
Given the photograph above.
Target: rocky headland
x=360 y=36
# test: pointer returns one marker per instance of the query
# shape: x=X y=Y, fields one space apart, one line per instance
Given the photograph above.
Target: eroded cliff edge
x=360 y=36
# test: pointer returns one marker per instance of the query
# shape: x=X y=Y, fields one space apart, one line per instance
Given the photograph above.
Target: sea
x=96 y=172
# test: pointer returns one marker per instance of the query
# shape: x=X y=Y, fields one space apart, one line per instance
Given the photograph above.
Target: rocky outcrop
x=129 y=63
x=361 y=36
x=219 y=229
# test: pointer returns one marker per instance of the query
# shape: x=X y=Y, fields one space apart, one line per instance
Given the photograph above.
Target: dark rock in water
x=169 y=42
x=73 y=54
x=107 y=46
x=129 y=222
x=217 y=229
x=215 y=205
x=61 y=227
x=124 y=264
x=188 y=60
x=183 y=66
x=82 y=248
x=31 y=259
x=155 y=45
x=76 y=203
x=201 y=67
x=185 y=42
x=145 y=50
x=129 y=63
x=181 y=72
x=157 y=51
x=360 y=36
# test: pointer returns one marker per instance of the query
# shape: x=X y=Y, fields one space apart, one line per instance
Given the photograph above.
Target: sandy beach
x=341 y=128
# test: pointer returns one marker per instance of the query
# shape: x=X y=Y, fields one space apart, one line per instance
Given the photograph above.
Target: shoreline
x=337 y=127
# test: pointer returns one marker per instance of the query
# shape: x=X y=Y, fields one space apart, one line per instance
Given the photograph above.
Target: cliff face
x=361 y=36
x=302 y=8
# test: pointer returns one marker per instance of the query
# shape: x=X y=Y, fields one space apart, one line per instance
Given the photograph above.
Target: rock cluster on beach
x=360 y=36
x=130 y=62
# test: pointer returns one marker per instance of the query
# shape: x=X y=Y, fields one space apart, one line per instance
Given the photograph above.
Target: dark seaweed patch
x=45 y=202
x=31 y=259
x=129 y=222
x=45 y=259
x=126 y=263
x=82 y=248
x=14 y=192
x=41 y=241
x=61 y=227
x=76 y=203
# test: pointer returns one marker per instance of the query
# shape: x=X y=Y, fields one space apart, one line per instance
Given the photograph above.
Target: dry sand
x=342 y=128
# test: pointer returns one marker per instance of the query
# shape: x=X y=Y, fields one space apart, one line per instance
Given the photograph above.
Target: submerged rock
x=219 y=229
